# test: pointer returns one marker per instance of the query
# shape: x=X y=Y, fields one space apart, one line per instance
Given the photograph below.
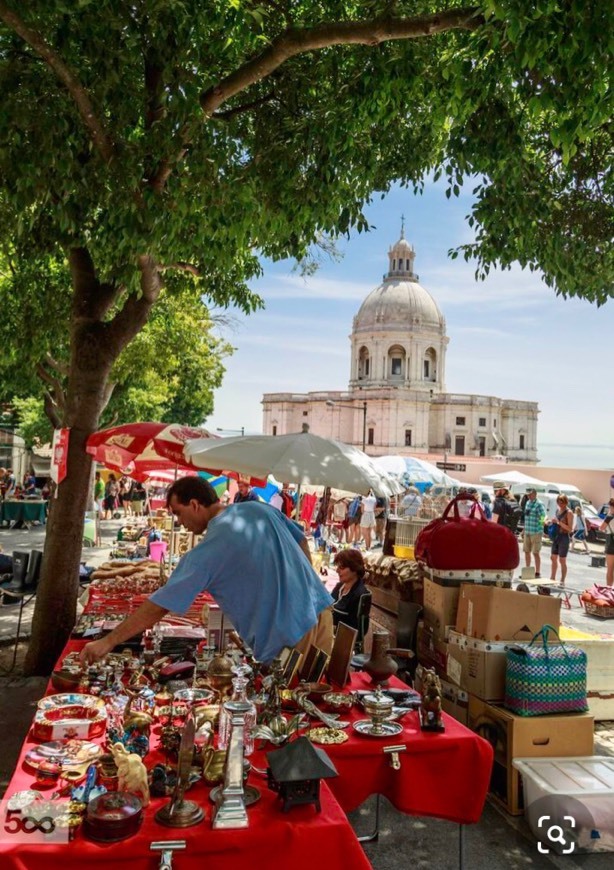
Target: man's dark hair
x=187 y=488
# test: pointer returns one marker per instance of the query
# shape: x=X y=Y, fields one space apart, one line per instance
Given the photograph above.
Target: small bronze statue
x=430 y=709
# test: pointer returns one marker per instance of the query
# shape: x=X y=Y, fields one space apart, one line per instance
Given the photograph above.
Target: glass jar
x=238 y=703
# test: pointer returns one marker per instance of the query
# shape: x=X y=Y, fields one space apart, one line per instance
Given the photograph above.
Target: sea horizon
x=596 y=456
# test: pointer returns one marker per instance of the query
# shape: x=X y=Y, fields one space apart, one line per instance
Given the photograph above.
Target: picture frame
x=341 y=655
x=291 y=665
x=307 y=664
x=318 y=668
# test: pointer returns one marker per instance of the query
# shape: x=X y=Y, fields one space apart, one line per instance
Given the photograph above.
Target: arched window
x=396 y=363
x=429 y=365
x=364 y=364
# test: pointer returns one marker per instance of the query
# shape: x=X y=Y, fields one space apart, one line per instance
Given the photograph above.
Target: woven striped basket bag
x=545 y=677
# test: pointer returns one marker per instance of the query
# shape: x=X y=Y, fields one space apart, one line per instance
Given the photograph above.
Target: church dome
x=400 y=302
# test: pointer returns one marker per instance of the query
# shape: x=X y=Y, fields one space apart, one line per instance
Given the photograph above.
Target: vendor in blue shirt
x=255 y=563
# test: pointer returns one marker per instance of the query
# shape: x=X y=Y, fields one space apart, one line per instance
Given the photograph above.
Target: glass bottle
x=239 y=701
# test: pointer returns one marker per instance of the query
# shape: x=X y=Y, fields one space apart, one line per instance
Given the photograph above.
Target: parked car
x=593 y=521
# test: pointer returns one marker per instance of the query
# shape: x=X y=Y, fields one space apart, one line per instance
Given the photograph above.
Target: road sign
x=451 y=466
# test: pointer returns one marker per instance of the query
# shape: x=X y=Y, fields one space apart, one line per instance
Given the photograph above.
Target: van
x=548 y=499
x=567 y=489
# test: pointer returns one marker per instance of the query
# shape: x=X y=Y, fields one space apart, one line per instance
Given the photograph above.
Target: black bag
x=512 y=515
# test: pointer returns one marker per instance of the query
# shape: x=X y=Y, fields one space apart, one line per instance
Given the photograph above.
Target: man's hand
x=94 y=651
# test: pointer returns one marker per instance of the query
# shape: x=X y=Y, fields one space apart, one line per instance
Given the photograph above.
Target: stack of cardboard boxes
x=465 y=635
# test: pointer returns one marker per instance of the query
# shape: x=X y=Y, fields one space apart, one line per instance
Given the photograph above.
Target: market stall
x=15 y=511
x=440 y=774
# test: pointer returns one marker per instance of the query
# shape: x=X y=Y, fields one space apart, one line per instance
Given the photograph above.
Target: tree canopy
x=156 y=138
x=205 y=132
x=167 y=373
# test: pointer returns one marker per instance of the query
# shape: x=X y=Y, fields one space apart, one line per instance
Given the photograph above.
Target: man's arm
x=144 y=617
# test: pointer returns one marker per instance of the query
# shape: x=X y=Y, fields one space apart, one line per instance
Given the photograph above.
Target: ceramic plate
x=388 y=729
x=69 y=699
x=66 y=753
x=327 y=735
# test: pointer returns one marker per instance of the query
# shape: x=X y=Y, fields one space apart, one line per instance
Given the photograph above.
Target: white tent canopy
x=511 y=477
x=413 y=470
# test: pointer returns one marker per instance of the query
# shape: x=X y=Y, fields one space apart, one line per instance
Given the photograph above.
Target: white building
x=396 y=400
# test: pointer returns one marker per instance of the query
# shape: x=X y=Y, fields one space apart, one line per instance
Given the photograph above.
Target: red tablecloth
x=442 y=774
x=273 y=841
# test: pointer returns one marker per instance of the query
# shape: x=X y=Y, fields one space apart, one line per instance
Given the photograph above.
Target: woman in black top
x=346 y=594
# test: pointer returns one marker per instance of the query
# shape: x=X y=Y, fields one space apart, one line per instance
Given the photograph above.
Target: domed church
x=396 y=400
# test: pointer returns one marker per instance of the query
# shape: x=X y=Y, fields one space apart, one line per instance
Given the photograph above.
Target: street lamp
x=240 y=431
x=363 y=408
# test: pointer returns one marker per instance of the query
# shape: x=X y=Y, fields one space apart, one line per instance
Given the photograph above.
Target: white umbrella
x=511 y=477
x=414 y=470
x=300 y=458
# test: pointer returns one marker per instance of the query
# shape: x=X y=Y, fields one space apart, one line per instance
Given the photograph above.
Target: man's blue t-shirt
x=251 y=563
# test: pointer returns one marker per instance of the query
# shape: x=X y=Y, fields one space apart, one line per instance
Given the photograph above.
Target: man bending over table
x=254 y=562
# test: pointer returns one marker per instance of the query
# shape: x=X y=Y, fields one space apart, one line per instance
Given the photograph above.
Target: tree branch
x=99 y=135
x=51 y=411
x=60 y=368
x=134 y=314
x=56 y=394
x=246 y=107
x=181 y=267
x=91 y=300
x=294 y=41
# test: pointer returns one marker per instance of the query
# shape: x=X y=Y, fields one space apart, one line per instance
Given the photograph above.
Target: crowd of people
x=28 y=487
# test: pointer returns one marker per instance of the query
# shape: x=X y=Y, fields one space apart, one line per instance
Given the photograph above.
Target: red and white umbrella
x=143 y=448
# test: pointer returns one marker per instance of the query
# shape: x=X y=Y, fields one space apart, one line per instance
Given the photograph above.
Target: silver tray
x=387 y=728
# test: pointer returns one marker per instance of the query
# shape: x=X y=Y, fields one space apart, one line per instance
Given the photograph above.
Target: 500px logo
x=556 y=834
x=34 y=824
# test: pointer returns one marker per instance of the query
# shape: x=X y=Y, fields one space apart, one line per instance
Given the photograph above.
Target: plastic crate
x=575 y=794
x=408 y=529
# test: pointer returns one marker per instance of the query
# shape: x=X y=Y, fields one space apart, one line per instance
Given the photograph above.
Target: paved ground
x=498 y=842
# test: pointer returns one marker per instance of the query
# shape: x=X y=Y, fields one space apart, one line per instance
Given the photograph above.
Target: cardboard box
x=432 y=652
x=489 y=613
x=440 y=605
x=514 y=736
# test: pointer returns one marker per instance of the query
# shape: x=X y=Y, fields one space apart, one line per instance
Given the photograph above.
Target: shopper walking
x=533 y=534
x=563 y=522
x=579 y=530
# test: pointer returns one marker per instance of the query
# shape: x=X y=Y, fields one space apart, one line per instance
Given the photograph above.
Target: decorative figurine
x=430 y=709
x=131 y=771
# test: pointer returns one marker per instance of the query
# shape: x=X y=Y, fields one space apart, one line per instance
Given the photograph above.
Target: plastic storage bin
x=575 y=794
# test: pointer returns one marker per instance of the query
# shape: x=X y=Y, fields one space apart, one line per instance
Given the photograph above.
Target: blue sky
x=510 y=336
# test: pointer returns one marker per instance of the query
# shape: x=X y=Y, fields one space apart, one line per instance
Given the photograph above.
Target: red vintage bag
x=456 y=543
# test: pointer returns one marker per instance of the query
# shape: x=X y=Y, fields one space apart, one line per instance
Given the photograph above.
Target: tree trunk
x=96 y=342
x=56 y=600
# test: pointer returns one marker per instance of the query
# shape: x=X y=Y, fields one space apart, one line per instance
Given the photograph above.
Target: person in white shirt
x=276 y=501
x=367 y=520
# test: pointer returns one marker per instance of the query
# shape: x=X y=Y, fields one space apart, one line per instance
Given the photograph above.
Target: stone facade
x=396 y=401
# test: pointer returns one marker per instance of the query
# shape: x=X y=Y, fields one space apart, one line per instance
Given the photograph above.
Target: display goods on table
x=162 y=739
x=455 y=542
